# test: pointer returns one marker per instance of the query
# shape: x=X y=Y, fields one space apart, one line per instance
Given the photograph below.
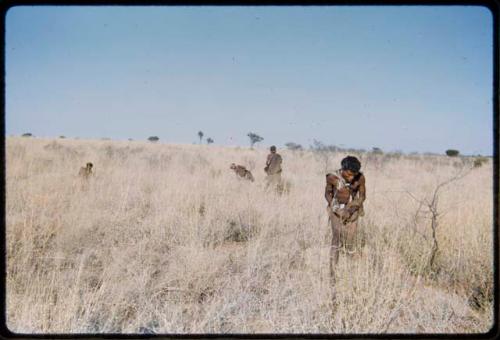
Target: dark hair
x=273 y=148
x=350 y=163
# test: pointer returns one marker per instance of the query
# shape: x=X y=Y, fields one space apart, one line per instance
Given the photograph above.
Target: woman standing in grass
x=345 y=193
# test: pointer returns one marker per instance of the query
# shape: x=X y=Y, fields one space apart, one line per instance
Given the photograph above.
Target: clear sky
x=410 y=78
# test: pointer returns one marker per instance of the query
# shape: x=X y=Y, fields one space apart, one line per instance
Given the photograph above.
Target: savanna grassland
x=166 y=239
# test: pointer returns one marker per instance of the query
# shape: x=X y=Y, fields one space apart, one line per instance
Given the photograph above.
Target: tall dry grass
x=166 y=239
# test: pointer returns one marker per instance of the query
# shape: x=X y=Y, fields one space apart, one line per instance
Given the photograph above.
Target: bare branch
x=461 y=174
x=432 y=207
x=412 y=196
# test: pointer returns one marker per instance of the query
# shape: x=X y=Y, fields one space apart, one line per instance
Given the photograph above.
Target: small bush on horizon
x=452 y=153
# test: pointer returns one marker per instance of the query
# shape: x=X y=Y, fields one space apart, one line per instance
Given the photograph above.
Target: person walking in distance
x=345 y=193
x=273 y=168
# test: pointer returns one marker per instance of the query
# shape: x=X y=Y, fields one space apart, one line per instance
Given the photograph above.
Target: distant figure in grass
x=345 y=193
x=86 y=171
x=241 y=171
x=273 y=168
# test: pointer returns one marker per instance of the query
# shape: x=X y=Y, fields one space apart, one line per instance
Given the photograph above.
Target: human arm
x=331 y=184
x=357 y=201
x=268 y=161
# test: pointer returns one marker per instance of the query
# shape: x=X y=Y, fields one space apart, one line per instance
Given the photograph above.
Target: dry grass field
x=166 y=239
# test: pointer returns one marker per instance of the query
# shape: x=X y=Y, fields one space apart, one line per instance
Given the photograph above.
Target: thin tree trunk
x=435 y=248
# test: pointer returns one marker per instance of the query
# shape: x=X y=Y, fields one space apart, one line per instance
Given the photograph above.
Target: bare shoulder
x=331 y=179
x=361 y=179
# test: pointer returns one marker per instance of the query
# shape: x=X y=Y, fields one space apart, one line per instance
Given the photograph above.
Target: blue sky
x=410 y=78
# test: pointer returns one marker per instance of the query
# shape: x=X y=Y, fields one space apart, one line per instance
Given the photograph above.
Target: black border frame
x=492 y=5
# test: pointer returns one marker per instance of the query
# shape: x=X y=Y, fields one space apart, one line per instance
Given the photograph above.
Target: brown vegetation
x=164 y=239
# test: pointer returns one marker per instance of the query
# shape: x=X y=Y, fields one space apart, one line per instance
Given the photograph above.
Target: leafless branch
x=432 y=208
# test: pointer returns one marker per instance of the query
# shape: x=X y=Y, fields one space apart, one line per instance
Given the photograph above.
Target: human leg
x=336 y=243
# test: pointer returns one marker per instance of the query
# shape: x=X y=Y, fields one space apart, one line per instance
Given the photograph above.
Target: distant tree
x=62 y=137
x=153 y=139
x=377 y=151
x=130 y=139
x=293 y=146
x=209 y=140
x=254 y=138
x=200 y=134
x=27 y=134
x=452 y=153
